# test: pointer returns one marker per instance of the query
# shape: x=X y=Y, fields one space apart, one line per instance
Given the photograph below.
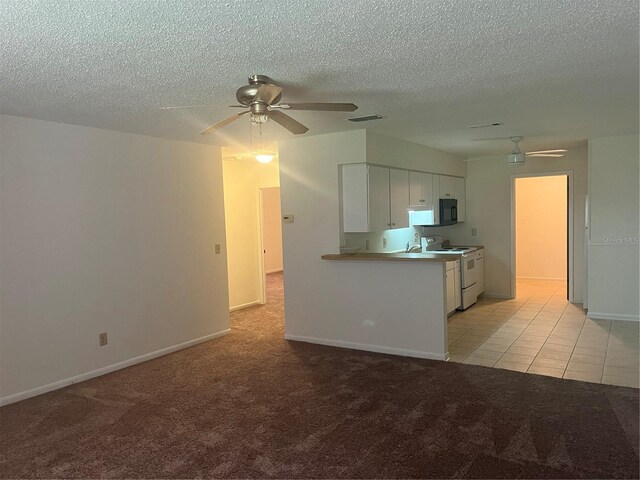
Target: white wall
x=242 y=182
x=103 y=232
x=272 y=229
x=541 y=227
x=489 y=211
x=382 y=306
x=614 y=221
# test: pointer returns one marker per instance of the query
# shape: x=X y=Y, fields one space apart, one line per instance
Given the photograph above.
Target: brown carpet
x=252 y=405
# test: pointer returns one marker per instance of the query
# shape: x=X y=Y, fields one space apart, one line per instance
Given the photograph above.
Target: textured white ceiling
x=555 y=71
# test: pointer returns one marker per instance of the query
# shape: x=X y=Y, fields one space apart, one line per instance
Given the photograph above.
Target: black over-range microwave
x=448 y=211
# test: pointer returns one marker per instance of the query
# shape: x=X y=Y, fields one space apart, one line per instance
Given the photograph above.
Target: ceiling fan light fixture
x=264 y=157
x=516 y=159
x=259 y=118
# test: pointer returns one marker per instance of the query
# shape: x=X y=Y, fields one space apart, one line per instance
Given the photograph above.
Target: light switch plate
x=474 y=232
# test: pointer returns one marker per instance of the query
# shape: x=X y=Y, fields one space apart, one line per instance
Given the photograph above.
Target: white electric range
x=471 y=267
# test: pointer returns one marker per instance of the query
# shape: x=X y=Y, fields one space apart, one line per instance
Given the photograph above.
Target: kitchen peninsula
x=389 y=303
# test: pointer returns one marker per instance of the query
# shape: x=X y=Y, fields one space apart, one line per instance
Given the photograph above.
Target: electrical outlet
x=103 y=339
x=474 y=232
x=416 y=237
x=384 y=242
x=366 y=245
x=217 y=248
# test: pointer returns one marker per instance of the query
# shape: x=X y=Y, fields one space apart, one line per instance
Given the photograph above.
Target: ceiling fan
x=261 y=97
x=517 y=157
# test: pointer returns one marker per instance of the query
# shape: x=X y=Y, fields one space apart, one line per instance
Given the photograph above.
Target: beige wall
x=489 y=211
x=104 y=231
x=613 y=254
x=242 y=181
x=541 y=227
x=272 y=229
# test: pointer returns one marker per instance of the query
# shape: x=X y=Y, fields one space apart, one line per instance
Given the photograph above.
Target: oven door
x=470 y=270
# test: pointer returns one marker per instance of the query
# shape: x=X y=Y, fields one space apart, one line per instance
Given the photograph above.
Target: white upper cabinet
x=447 y=186
x=379 y=200
x=374 y=198
x=421 y=189
x=399 y=197
x=459 y=192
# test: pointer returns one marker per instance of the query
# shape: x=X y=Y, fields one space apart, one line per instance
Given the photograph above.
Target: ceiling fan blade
x=287 y=122
x=561 y=150
x=223 y=123
x=545 y=155
x=267 y=93
x=186 y=106
x=324 y=107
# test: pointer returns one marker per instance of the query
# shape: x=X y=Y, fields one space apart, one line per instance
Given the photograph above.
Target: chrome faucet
x=413 y=248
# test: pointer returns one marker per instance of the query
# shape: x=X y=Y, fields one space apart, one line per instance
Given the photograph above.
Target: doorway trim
x=262 y=276
x=570 y=249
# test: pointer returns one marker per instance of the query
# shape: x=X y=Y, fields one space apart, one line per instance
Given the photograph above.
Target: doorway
x=542 y=233
x=271 y=230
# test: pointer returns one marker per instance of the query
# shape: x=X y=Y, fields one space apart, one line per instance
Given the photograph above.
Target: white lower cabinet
x=453 y=287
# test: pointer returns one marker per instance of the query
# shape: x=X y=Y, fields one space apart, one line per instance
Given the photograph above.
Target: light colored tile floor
x=541 y=332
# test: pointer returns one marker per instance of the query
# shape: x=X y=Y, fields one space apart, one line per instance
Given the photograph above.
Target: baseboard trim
x=542 y=278
x=273 y=271
x=613 y=316
x=245 y=305
x=16 y=397
x=366 y=347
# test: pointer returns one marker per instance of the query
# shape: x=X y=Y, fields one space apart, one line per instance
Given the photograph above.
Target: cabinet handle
x=393 y=224
x=388 y=224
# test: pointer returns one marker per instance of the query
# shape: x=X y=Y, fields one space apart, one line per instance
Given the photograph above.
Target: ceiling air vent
x=366 y=118
x=485 y=125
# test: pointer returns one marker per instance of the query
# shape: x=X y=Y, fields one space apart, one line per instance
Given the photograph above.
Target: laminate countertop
x=396 y=257
x=393 y=257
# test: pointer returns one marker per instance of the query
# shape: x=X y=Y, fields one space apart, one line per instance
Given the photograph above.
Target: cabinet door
x=458 y=287
x=435 y=198
x=355 y=203
x=459 y=190
x=399 y=195
x=415 y=189
x=447 y=186
x=379 y=212
x=427 y=190
x=451 y=286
